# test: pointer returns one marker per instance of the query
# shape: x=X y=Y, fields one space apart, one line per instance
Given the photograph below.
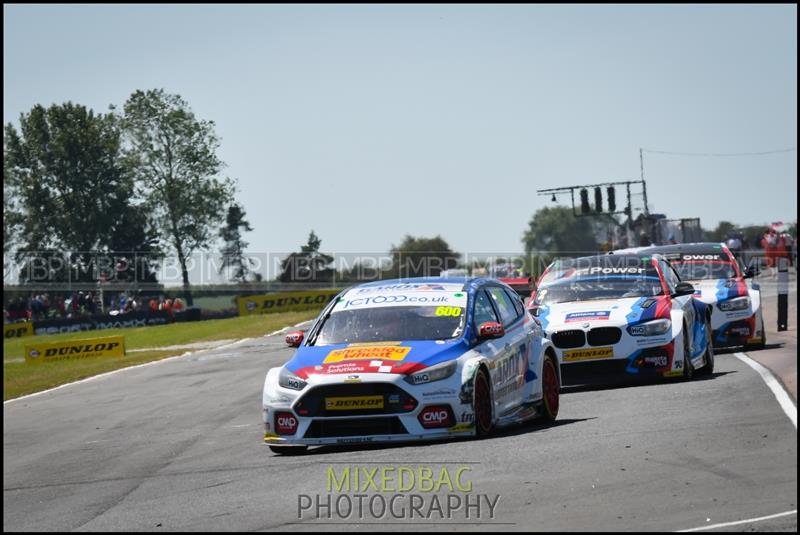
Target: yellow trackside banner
x=284 y=301
x=17 y=330
x=109 y=346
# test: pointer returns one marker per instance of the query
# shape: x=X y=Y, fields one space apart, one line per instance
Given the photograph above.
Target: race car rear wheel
x=708 y=369
x=550 y=389
x=482 y=404
x=289 y=450
x=688 y=368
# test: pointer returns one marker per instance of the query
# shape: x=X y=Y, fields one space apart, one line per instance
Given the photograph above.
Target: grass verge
x=20 y=378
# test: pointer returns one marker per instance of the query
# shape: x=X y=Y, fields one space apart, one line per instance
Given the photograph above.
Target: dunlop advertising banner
x=284 y=301
x=17 y=330
x=108 y=346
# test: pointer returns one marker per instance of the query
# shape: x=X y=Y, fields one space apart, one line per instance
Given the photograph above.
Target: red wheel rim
x=483 y=411
x=550 y=380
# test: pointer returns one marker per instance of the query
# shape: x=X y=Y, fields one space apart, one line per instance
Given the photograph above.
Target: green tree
x=172 y=155
x=134 y=246
x=309 y=265
x=721 y=233
x=422 y=257
x=557 y=231
x=233 y=250
x=11 y=221
x=66 y=186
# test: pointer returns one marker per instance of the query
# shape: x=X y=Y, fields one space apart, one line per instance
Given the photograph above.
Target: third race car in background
x=720 y=282
x=613 y=317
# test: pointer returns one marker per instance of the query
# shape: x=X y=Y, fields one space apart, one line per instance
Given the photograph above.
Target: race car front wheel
x=483 y=404
x=688 y=368
x=708 y=369
x=763 y=342
x=289 y=450
x=550 y=389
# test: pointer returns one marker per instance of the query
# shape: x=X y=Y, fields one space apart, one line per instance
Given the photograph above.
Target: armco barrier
x=109 y=346
x=284 y=301
x=106 y=321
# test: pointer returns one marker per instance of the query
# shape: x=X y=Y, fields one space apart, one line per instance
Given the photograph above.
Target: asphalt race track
x=178 y=446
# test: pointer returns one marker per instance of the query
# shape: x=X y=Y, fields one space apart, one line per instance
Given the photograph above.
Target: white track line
x=279 y=331
x=780 y=394
x=738 y=522
x=92 y=378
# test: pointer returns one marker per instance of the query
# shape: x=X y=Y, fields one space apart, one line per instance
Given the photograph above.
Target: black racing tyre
x=289 y=450
x=550 y=389
x=482 y=404
x=708 y=369
x=688 y=368
x=763 y=342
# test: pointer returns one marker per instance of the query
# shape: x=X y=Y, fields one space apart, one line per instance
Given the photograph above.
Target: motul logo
x=285 y=423
x=436 y=416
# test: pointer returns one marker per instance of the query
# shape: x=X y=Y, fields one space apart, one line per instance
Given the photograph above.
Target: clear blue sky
x=369 y=122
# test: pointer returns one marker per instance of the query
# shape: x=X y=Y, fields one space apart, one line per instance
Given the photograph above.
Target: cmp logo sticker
x=589 y=315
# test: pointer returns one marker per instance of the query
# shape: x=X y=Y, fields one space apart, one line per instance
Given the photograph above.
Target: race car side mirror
x=490 y=329
x=683 y=288
x=750 y=272
x=295 y=338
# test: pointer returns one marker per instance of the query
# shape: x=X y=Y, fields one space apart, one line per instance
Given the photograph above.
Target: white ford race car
x=719 y=282
x=411 y=359
x=622 y=316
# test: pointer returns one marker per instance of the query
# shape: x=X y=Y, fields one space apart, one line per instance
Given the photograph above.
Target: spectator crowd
x=83 y=304
x=778 y=245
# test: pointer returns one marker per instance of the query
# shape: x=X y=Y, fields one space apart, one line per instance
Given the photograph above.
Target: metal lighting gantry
x=571 y=189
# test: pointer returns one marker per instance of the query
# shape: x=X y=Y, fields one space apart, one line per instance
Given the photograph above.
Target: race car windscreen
x=593 y=280
x=704 y=269
x=395 y=314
